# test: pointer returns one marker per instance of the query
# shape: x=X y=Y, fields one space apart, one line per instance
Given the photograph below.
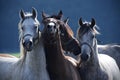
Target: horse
x=68 y=41
x=59 y=66
x=32 y=63
x=93 y=65
x=112 y=50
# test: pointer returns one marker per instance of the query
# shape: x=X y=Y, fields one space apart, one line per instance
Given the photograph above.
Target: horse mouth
x=50 y=39
x=28 y=47
x=84 y=57
x=28 y=44
x=50 y=33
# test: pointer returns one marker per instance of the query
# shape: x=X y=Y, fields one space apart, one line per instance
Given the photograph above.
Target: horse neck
x=54 y=59
x=54 y=51
x=34 y=58
x=95 y=53
x=77 y=49
x=94 y=61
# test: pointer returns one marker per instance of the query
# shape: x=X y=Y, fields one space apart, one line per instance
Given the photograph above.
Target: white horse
x=112 y=50
x=32 y=63
x=94 y=66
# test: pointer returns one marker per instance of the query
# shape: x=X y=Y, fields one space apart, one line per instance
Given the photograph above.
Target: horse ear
x=21 y=13
x=66 y=20
x=44 y=15
x=60 y=14
x=80 y=22
x=34 y=12
x=93 y=22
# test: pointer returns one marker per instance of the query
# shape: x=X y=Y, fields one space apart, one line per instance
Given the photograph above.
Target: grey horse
x=32 y=64
x=93 y=65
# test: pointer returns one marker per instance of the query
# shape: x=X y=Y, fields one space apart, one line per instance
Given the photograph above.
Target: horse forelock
x=49 y=19
x=29 y=15
x=86 y=28
x=54 y=16
x=96 y=28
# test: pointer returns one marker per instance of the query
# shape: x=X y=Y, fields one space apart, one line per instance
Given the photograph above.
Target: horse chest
x=32 y=75
x=92 y=74
x=57 y=65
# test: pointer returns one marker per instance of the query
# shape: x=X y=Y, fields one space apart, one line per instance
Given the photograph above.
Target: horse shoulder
x=71 y=60
x=6 y=67
x=73 y=68
x=105 y=49
x=111 y=50
x=109 y=66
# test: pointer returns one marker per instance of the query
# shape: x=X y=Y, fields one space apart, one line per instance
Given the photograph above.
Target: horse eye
x=93 y=37
x=54 y=26
x=22 y=28
x=48 y=26
x=62 y=34
x=35 y=27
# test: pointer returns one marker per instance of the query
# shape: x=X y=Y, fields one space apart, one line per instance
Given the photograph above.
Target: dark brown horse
x=58 y=65
x=68 y=41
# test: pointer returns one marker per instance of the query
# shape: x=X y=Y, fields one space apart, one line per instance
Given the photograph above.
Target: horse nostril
x=48 y=26
x=28 y=44
x=84 y=57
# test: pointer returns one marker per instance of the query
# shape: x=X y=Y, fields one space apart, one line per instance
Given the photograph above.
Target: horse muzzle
x=28 y=43
x=84 y=57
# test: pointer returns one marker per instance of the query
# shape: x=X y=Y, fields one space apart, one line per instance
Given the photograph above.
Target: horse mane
x=22 y=50
x=66 y=27
x=86 y=28
x=69 y=30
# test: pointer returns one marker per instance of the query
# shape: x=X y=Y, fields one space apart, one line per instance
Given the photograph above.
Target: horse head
x=51 y=29
x=87 y=38
x=28 y=27
x=68 y=41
